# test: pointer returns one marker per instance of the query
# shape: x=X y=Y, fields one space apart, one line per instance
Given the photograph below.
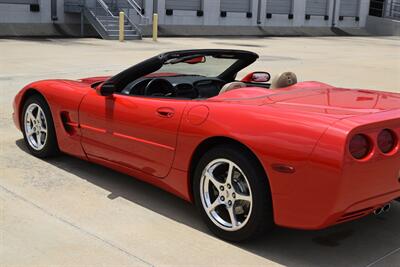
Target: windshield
x=213 y=63
x=209 y=66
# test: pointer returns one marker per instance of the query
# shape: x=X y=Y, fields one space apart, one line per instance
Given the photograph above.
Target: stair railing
x=105 y=8
x=138 y=9
x=133 y=24
x=95 y=13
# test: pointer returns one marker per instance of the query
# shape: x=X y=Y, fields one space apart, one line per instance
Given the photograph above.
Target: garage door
x=279 y=6
x=317 y=7
x=183 y=4
x=349 y=8
x=236 y=5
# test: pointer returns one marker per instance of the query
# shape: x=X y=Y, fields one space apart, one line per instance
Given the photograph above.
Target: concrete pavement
x=67 y=212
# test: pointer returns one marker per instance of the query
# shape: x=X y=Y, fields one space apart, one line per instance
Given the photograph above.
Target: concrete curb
x=74 y=30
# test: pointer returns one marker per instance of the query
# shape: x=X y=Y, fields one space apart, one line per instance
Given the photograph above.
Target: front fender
x=63 y=98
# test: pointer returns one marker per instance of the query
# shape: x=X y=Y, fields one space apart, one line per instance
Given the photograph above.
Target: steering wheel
x=160 y=87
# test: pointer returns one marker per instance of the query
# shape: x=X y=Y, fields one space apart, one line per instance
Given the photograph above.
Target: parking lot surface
x=68 y=212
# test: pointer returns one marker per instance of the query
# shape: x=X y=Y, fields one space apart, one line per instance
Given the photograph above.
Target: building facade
x=47 y=17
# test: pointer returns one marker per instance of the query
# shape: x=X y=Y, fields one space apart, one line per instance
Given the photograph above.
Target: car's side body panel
x=64 y=98
x=136 y=132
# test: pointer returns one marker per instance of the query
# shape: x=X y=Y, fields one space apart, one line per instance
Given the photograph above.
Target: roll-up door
x=279 y=6
x=317 y=7
x=236 y=5
x=183 y=4
x=349 y=8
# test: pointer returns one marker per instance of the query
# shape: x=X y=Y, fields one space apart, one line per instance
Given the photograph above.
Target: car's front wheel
x=37 y=127
x=232 y=193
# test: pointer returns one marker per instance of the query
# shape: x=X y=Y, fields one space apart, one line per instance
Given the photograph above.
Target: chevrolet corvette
x=248 y=153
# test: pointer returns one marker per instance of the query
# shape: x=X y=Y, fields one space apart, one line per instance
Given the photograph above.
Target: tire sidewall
x=261 y=216
x=50 y=148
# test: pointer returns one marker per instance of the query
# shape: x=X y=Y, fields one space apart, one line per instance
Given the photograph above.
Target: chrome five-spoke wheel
x=231 y=192
x=226 y=194
x=35 y=126
x=38 y=128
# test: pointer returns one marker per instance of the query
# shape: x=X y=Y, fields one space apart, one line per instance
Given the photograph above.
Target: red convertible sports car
x=249 y=153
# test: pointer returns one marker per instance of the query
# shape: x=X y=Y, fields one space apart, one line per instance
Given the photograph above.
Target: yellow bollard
x=121 y=26
x=155 y=27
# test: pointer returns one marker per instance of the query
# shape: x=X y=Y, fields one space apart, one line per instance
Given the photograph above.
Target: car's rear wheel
x=232 y=193
x=38 y=128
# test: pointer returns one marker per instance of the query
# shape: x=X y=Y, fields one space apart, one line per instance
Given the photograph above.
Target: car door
x=133 y=131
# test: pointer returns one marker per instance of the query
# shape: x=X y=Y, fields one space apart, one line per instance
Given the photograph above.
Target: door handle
x=165 y=112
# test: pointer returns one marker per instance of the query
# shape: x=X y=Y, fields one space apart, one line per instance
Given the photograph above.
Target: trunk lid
x=316 y=98
x=337 y=101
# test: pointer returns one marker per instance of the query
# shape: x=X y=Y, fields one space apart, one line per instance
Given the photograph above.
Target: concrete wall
x=10 y=13
x=18 y=20
x=17 y=13
x=212 y=16
x=383 y=26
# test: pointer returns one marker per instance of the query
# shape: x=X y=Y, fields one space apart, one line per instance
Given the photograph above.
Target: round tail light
x=359 y=146
x=386 y=140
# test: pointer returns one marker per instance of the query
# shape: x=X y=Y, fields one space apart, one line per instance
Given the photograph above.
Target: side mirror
x=105 y=89
x=260 y=77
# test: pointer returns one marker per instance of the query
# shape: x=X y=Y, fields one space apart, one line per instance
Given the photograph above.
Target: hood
x=92 y=80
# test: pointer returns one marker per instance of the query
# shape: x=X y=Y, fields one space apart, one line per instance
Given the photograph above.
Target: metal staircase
x=103 y=15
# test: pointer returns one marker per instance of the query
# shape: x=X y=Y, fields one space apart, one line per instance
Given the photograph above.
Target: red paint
x=91 y=128
x=306 y=126
x=247 y=78
x=198 y=114
x=143 y=141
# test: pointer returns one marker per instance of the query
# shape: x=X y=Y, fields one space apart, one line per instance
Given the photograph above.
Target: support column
x=211 y=9
x=299 y=11
x=54 y=10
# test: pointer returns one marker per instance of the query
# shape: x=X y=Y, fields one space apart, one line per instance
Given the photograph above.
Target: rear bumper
x=362 y=208
x=335 y=188
x=322 y=201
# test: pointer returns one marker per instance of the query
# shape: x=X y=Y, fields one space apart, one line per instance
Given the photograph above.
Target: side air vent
x=69 y=126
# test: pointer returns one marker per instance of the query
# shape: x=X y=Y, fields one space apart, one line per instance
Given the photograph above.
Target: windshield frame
x=151 y=65
x=210 y=67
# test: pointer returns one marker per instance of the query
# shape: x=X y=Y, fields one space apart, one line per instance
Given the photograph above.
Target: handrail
x=134 y=4
x=137 y=8
x=95 y=17
x=133 y=24
x=105 y=7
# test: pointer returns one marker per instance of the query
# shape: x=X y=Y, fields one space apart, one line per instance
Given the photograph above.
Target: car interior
x=198 y=87
x=180 y=86
x=196 y=75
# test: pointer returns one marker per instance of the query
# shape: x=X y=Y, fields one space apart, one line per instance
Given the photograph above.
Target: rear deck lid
x=337 y=101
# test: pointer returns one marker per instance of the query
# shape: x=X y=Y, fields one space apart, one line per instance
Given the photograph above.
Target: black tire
x=50 y=147
x=261 y=218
